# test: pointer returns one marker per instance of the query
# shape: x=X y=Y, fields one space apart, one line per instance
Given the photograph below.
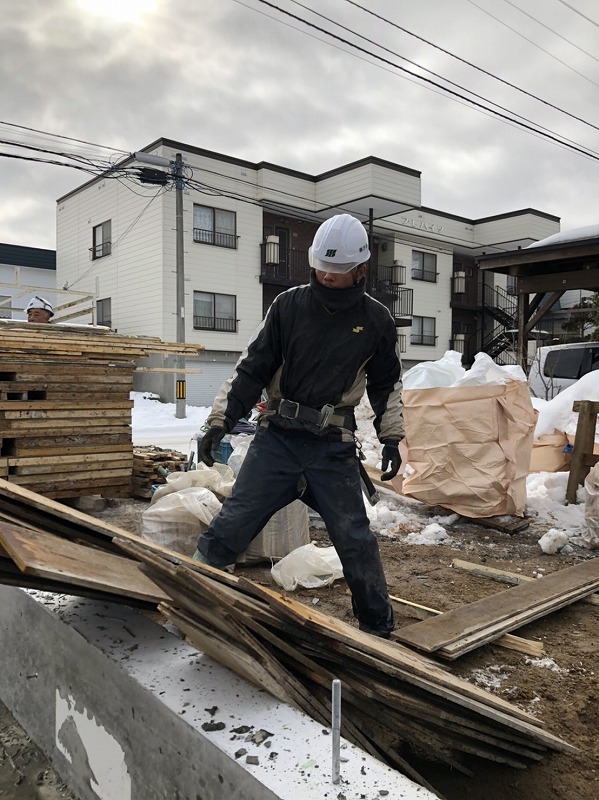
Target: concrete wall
x=118 y=704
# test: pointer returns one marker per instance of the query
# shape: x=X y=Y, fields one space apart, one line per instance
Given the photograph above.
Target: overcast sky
x=241 y=78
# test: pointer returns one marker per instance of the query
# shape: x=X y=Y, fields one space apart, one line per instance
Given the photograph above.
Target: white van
x=560 y=365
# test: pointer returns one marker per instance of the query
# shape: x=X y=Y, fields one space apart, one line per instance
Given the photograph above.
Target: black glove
x=210 y=441
x=391 y=459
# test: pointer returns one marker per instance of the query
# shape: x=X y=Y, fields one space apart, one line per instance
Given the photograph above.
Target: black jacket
x=319 y=345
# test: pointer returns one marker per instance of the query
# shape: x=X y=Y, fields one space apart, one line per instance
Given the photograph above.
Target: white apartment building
x=246 y=230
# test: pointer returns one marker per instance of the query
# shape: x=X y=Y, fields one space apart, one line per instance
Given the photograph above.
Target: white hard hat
x=39 y=302
x=339 y=245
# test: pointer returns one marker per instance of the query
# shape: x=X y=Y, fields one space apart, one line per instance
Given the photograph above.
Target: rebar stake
x=336 y=729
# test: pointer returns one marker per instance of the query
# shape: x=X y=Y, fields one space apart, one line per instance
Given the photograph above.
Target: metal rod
x=336 y=729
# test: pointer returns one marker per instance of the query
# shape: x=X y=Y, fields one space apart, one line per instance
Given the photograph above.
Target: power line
x=533 y=43
x=538 y=21
x=576 y=11
x=532 y=127
x=464 y=61
x=59 y=136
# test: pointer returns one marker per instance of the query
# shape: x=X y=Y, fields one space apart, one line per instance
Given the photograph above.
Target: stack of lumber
x=395 y=701
x=65 y=408
x=146 y=461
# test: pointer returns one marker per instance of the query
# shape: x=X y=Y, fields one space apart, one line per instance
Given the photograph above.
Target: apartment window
x=214 y=312
x=5 y=307
x=423 y=331
x=214 y=226
x=424 y=266
x=104 y=312
x=102 y=243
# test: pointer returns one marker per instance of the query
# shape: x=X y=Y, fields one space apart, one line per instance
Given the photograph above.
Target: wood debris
x=462 y=629
x=397 y=702
x=392 y=696
x=146 y=461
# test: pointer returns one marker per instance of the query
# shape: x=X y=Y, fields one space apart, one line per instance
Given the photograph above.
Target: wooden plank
x=484 y=571
x=46 y=556
x=436 y=632
x=517 y=643
x=582 y=458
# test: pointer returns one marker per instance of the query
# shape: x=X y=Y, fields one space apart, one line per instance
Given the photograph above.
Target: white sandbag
x=287 y=530
x=308 y=566
x=447 y=371
x=218 y=479
x=177 y=519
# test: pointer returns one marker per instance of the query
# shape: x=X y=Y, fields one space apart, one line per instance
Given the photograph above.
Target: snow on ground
x=155 y=423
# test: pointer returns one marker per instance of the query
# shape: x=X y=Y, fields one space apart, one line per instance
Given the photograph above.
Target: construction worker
x=39 y=310
x=319 y=346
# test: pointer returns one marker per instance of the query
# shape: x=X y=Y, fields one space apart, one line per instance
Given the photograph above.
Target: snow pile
x=557 y=414
x=394 y=516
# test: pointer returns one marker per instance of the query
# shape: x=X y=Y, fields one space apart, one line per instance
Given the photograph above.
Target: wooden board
x=505 y=576
x=436 y=632
x=53 y=558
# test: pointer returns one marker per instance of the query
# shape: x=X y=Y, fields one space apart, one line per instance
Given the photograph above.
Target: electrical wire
x=532 y=127
x=467 y=63
x=576 y=11
x=530 y=41
x=538 y=21
x=120 y=239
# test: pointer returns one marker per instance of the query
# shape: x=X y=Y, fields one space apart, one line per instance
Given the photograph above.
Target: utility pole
x=161 y=178
x=180 y=411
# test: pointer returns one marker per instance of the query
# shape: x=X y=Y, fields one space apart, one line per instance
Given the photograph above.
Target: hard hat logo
x=340 y=245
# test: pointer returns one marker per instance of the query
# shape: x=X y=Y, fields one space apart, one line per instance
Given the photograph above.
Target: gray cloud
x=229 y=79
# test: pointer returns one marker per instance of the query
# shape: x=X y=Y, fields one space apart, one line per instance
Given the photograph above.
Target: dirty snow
x=154 y=422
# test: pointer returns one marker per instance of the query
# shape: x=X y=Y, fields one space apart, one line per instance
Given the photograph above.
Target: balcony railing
x=420 y=338
x=215 y=324
x=394 y=273
x=214 y=237
x=100 y=250
x=424 y=275
x=291 y=268
x=398 y=299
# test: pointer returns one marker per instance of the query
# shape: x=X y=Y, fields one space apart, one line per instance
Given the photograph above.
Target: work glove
x=210 y=441
x=391 y=459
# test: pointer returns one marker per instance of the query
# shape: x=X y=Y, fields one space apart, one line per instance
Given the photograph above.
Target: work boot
x=201 y=558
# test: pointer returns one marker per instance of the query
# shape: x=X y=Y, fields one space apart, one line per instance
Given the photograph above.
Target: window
x=423 y=331
x=424 y=266
x=214 y=226
x=214 y=312
x=104 y=312
x=566 y=363
x=5 y=307
x=101 y=243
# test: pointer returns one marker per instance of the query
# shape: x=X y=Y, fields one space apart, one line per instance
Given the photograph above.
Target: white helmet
x=39 y=302
x=340 y=244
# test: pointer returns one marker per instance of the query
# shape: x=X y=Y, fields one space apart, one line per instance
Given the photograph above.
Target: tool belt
x=289 y=409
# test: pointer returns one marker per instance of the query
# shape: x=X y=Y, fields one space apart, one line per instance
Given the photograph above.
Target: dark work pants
x=277 y=462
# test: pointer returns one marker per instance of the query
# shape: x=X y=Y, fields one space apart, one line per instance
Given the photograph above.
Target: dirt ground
x=561 y=689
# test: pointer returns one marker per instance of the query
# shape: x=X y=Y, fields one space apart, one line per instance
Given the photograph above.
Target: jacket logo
x=330 y=254
x=357 y=329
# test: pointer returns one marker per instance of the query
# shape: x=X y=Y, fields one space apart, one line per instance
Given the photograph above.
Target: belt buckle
x=289 y=409
x=326 y=412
